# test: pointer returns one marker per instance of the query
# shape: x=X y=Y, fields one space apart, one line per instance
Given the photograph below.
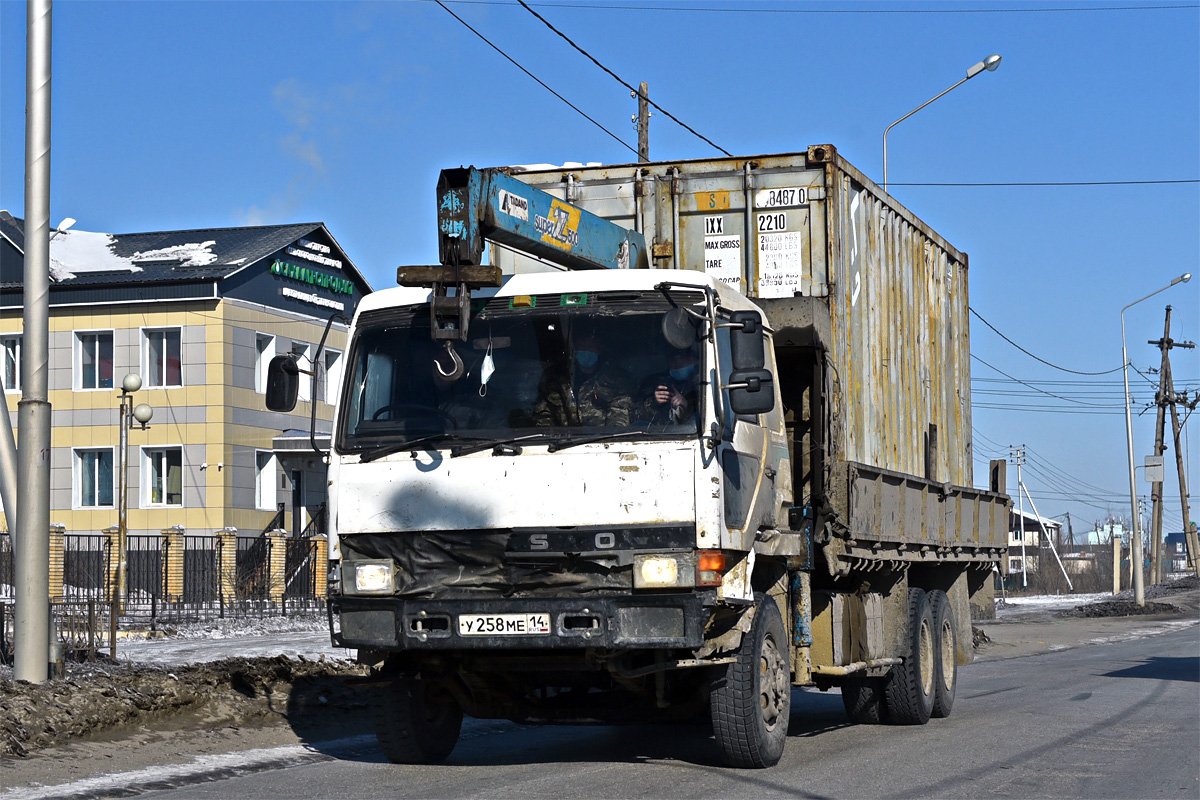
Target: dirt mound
x=97 y=698
x=1119 y=607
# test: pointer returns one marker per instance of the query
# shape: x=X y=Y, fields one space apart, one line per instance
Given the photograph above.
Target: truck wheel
x=946 y=643
x=911 y=685
x=751 y=701
x=863 y=699
x=416 y=723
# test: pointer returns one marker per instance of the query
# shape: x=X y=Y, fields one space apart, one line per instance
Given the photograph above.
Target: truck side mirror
x=283 y=383
x=751 y=384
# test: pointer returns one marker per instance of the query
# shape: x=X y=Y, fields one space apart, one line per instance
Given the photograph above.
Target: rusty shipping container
x=842 y=269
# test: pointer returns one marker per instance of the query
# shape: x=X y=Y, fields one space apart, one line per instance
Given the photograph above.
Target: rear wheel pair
x=924 y=684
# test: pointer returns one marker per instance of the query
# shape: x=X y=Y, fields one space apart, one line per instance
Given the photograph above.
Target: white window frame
x=147 y=373
x=304 y=361
x=19 y=338
x=332 y=379
x=147 y=473
x=265 y=489
x=262 y=359
x=77 y=467
x=77 y=359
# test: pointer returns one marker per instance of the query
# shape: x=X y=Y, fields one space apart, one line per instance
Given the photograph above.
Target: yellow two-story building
x=197 y=315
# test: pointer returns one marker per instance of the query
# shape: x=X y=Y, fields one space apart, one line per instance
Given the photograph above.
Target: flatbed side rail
x=896 y=515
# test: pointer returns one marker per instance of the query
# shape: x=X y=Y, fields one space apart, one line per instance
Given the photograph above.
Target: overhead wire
x=1031 y=386
x=811 y=11
x=624 y=82
x=536 y=78
x=1031 y=355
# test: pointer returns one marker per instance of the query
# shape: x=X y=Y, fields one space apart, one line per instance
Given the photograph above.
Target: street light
x=1135 y=545
x=142 y=414
x=990 y=64
x=62 y=226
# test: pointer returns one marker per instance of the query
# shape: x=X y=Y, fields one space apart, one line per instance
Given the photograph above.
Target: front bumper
x=631 y=621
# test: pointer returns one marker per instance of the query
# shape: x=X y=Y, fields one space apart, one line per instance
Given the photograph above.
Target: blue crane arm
x=478 y=204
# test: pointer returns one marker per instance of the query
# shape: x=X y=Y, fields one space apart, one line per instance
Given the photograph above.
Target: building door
x=297 y=502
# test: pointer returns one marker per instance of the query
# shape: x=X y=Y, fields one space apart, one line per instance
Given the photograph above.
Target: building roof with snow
x=90 y=267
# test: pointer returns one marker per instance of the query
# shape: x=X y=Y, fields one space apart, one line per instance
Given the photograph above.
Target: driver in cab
x=590 y=390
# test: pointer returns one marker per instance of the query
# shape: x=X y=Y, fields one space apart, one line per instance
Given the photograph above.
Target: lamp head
x=1184 y=278
x=990 y=63
x=66 y=223
x=131 y=383
x=143 y=413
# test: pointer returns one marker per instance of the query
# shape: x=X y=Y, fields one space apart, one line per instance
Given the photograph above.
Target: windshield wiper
x=484 y=443
x=563 y=444
x=398 y=447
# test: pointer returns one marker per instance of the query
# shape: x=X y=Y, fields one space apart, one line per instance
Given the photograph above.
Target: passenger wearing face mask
x=670 y=398
x=591 y=390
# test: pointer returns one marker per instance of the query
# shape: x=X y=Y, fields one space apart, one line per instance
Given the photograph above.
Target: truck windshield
x=566 y=367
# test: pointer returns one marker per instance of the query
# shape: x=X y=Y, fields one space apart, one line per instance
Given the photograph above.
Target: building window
x=300 y=351
x=12 y=363
x=94 y=478
x=264 y=351
x=333 y=375
x=264 y=480
x=162 y=476
x=94 y=363
x=161 y=353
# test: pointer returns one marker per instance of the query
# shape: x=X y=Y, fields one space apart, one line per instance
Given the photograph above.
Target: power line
x=1031 y=355
x=1055 y=183
x=621 y=81
x=812 y=11
x=1031 y=386
x=535 y=77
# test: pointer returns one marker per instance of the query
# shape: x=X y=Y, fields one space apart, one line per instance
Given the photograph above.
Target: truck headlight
x=373 y=577
x=663 y=570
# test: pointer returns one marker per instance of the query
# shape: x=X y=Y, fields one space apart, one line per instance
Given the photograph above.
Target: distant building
x=1034 y=541
x=198 y=315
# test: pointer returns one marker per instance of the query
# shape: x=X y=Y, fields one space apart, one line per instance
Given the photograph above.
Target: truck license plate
x=503 y=624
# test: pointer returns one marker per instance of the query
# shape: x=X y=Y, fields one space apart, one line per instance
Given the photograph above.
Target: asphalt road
x=1112 y=720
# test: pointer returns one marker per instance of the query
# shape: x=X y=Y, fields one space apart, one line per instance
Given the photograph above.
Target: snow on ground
x=294 y=636
x=1057 y=600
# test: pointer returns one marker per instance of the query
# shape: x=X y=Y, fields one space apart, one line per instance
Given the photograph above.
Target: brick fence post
x=277 y=577
x=57 y=535
x=172 y=565
x=227 y=565
x=111 y=557
x=321 y=567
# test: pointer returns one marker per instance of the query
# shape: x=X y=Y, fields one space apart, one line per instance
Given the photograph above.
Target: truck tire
x=945 y=642
x=751 y=700
x=416 y=723
x=864 y=700
x=911 y=685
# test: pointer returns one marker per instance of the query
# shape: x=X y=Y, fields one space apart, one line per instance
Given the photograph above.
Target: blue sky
x=171 y=115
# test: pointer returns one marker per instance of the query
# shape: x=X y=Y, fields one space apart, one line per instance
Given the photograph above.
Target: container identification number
x=772 y=222
x=783 y=196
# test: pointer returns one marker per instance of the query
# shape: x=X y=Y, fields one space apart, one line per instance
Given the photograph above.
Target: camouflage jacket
x=602 y=399
x=654 y=413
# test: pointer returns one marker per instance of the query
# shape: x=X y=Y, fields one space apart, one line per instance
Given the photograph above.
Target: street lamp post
x=1135 y=544
x=142 y=414
x=990 y=64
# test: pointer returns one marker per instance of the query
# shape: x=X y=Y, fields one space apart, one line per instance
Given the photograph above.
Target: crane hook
x=456 y=371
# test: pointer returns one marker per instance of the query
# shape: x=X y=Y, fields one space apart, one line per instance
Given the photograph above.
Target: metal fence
x=170 y=579
x=87 y=563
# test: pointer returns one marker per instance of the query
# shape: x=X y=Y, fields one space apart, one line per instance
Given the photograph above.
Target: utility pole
x=642 y=120
x=1160 y=400
x=32 y=567
x=1017 y=456
x=1167 y=398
